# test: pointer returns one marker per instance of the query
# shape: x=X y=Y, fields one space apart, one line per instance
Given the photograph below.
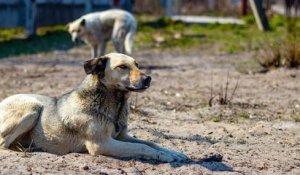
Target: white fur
x=100 y=27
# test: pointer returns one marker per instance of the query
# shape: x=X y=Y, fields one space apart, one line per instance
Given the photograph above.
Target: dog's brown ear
x=95 y=66
x=82 y=22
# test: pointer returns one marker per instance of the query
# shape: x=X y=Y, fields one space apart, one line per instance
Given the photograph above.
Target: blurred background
x=32 y=26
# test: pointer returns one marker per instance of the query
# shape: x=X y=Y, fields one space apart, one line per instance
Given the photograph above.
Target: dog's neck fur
x=102 y=101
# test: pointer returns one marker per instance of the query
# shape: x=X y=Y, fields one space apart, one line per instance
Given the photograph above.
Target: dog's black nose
x=147 y=80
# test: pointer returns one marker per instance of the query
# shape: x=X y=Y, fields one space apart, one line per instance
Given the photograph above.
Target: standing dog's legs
x=102 y=48
x=94 y=51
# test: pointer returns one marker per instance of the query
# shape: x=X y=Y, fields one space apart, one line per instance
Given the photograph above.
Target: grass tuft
x=244 y=115
x=296 y=118
x=281 y=53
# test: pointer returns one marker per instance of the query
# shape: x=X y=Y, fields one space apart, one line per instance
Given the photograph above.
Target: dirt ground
x=255 y=134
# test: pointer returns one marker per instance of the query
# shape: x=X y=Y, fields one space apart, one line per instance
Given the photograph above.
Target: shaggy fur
x=92 y=117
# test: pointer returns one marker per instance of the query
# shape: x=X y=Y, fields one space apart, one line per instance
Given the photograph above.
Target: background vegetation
x=279 y=47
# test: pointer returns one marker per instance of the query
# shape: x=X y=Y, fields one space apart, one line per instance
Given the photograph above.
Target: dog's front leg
x=94 y=51
x=116 y=148
x=178 y=155
x=102 y=47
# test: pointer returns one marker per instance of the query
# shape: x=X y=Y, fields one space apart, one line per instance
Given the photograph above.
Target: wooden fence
x=35 y=13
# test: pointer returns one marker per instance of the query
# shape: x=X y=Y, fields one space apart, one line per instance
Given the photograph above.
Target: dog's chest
x=113 y=110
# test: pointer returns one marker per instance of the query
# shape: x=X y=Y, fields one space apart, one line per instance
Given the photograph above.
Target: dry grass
x=224 y=98
x=282 y=53
x=24 y=150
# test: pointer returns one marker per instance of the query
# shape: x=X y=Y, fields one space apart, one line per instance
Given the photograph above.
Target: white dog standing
x=97 y=28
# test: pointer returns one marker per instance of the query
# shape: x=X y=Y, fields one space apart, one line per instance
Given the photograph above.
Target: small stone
x=177 y=95
x=252 y=116
x=85 y=167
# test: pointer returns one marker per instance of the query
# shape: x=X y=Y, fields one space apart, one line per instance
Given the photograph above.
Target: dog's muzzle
x=145 y=83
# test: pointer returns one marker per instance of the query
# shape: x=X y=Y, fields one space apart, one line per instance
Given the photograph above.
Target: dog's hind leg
x=129 y=38
x=20 y=127
x=16 y=119
x=118 y=36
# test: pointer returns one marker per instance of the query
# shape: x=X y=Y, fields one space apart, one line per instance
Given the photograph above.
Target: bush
x=281 y=53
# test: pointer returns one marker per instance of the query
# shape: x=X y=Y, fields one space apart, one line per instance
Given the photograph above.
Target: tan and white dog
x=92 y=117
x=97 y=28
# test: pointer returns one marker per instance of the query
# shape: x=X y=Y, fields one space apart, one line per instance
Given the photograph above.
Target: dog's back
x=108 y=17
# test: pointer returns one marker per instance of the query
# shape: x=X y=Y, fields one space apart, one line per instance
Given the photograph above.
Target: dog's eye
x=122 y=67
x=78 y=30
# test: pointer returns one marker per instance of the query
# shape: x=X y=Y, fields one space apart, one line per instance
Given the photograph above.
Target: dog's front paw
x=178 y=155
x=171 y=156
x=166 y=157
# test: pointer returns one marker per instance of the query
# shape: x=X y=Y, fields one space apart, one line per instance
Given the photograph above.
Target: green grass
x=225 y=38
x=216 y=119
x=296 y=118
x=48 y=39
x=244 y=115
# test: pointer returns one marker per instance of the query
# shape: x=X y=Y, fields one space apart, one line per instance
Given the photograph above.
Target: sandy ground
x=254 y=134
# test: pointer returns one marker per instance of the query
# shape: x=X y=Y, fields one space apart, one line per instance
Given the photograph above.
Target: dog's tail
x=129 y=38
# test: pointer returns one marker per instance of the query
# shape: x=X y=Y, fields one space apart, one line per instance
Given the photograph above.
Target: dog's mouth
x=134 y=89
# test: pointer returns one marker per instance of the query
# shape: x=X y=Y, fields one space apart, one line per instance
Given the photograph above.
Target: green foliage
x=172 y=34
x=278 y=21
x=216 y=119
x=296 y=118
x=249 y=19
x=48 y=39
x=58 y=40
x=244 y=115
x=7 y=34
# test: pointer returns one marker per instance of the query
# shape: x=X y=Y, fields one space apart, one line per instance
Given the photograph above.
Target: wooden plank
x=260 y=15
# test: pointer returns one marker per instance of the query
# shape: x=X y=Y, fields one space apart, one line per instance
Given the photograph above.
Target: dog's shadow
x=213 y=162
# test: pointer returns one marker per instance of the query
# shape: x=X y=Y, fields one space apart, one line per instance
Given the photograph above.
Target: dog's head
x=118 y=71
x=77 y=29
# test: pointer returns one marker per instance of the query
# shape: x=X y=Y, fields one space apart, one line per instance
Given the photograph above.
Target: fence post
x=30 y=20
x=260 y=15
x=211 y=4
x=169 y=8
x=88 y=6
x=176 y=7
x=243 y=7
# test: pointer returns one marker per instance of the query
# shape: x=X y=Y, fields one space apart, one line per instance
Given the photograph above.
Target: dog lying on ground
x=97 y=28
x=92 y=117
